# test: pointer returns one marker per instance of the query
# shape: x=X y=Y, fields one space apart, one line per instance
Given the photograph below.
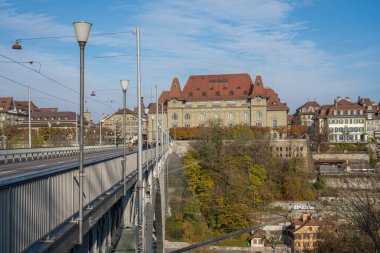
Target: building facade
x=303 y=233
x=344 y=121
x=306 y=114
x=232 y=99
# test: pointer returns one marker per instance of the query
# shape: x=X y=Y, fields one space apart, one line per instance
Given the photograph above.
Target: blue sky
x=304 y=49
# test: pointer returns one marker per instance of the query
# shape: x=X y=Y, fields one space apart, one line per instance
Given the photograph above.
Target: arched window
x=187 y=116
x=174 y=116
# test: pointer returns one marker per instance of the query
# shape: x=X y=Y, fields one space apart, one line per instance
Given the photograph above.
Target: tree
x=358 y=204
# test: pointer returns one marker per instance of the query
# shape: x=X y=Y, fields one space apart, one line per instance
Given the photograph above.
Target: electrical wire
x=71 y=59
x=45 y=93
x=42 y=92
x=54 y=81
x=72 y=36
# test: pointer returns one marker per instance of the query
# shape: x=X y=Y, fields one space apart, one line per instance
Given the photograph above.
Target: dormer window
x=203 y=94
x=238 y=88
x=231 y=93
x=190 y=94
x=274 y=103
x=224 y=88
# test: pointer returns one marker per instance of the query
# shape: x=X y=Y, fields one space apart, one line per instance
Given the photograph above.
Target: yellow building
x=232 y=98
x=303 y=233
x=115 y=123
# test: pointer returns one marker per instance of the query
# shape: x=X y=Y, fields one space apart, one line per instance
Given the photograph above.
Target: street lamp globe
x=82 y=30
x=124 y=85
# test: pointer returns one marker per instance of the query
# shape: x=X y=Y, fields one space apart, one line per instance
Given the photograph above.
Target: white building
x=344 y=121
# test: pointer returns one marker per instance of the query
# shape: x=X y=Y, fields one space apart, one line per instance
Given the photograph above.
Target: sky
x=303 y=49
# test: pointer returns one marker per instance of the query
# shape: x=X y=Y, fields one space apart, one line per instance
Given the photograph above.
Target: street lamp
x=82 y=31
x=124 y=86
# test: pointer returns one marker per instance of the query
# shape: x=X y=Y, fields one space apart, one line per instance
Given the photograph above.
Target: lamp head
x=124 y=85
x=82 y=30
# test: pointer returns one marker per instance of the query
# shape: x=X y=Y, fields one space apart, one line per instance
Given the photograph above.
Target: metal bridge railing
x=33 y=205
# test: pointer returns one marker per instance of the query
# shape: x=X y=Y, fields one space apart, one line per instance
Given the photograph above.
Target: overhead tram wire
x=51 y=79
x=42 y=92
x=72 y=36
x=71 y=59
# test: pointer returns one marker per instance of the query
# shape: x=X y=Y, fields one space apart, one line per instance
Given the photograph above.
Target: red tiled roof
x=258 y=88
x=217 y=87
x=364 y=101
x=152 y=108
x=175 y=90
x=24 y=105
x=308 y=104
x=163 y=97
x=135 y=110
x=54 y=109
x=127 y=111
x=273 y=101
x=49 y=115
x=5 y=103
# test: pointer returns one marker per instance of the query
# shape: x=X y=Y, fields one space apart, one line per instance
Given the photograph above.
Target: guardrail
x=33 y=205
x=18 y=155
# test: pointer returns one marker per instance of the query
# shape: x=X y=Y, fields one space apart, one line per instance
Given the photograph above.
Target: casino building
x=234 y=99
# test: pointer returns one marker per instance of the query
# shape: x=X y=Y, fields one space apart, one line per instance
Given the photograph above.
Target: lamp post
x=82 y=31
x=124 y=86
x=100 y=130
x=29 y=120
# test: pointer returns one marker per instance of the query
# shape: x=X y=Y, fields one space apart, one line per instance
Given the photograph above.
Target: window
x=245 y=93
x=190 y=94
x=174 y=116
x=203 y=94
x=216 y=116
x=230 y=116
x=274 y=123
x=202 y=117
x=187 y=125
x=187 y=116
x=217 y=93
x=238 y=87
x=259 y=115
x=246 y=116
x=231 y=93
x=224 y=88
x=258 y=124
x=211 y=88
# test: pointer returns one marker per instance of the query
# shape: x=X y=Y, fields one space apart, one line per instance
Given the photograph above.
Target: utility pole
x=29 y=120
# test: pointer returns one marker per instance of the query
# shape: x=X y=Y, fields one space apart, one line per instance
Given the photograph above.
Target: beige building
x=115 y=123
x=234 y=99
x=303 y=233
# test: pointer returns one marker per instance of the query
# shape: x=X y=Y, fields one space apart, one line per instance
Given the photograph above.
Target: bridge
x=39 y=200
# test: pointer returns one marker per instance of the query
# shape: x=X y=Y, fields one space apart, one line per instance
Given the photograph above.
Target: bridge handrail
x=32 y=153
